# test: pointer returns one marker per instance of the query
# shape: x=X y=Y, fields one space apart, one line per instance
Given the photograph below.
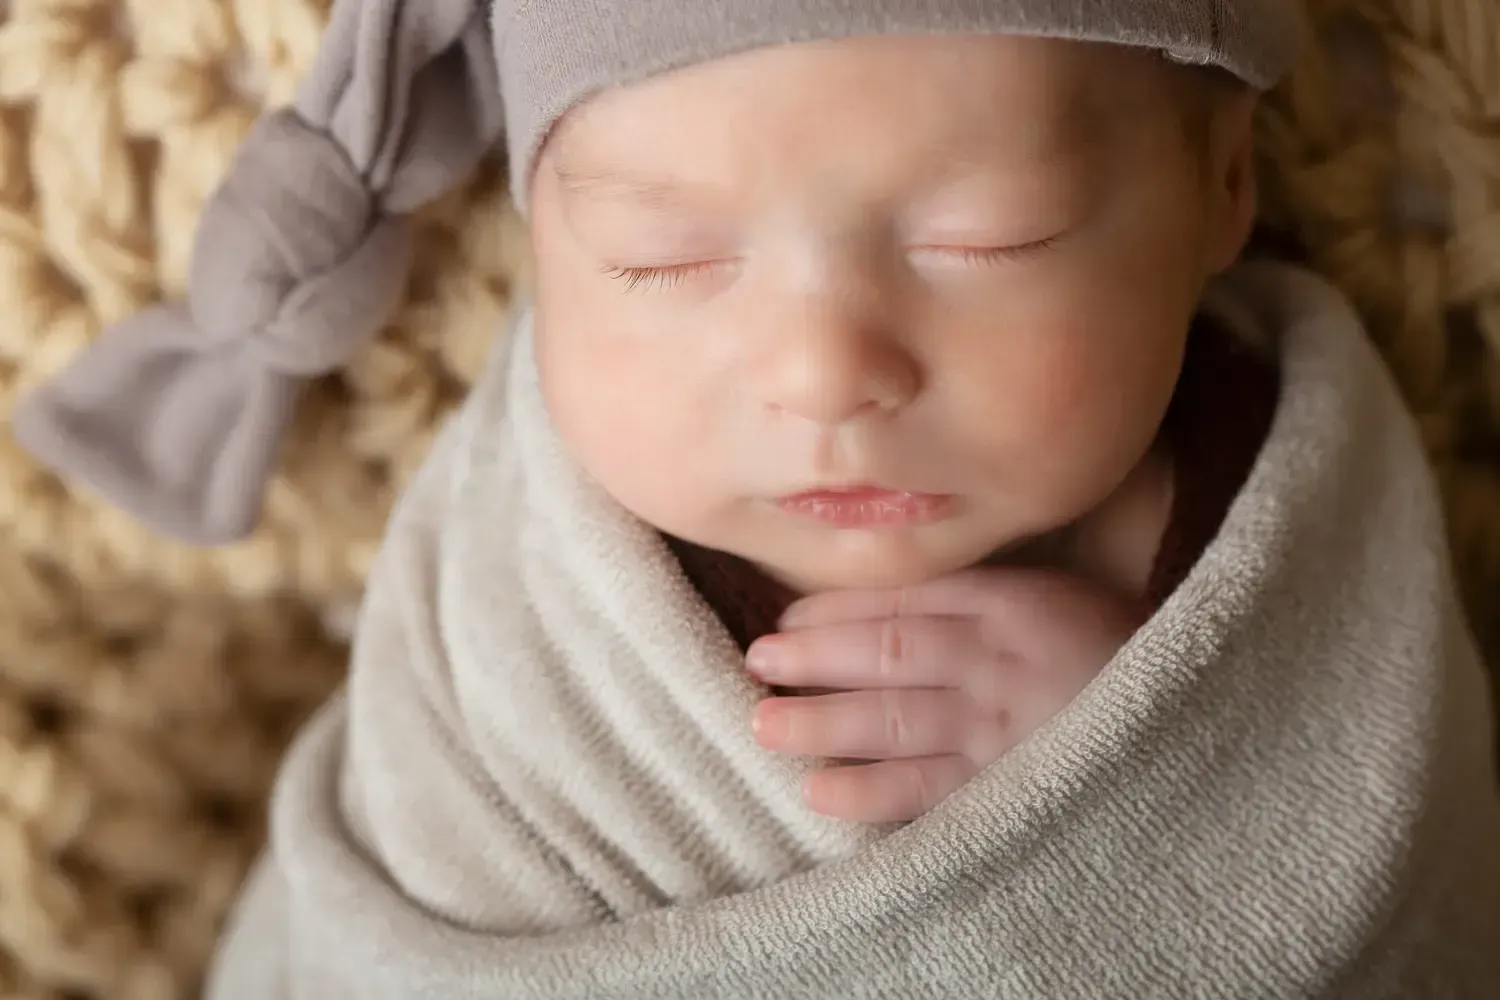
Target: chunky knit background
x=146 y=689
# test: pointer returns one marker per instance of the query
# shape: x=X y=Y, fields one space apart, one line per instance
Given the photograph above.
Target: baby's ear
x=176 y=415
x=1232 y=191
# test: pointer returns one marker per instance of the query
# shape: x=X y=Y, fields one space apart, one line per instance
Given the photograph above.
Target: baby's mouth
x=866 y=506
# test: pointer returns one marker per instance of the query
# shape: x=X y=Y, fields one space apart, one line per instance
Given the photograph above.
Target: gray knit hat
x=177 y=414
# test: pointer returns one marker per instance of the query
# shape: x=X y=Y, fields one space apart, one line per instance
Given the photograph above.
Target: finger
x=870 y=725
x=889 y=653
x=892 y=791
x=1008 y=601
x=968 y=592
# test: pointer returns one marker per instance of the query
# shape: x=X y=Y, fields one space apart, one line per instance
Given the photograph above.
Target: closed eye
x=992 y=255
x=660 y=278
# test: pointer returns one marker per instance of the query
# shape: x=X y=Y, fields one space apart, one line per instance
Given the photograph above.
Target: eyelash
x=997 y=255
x=661 y=278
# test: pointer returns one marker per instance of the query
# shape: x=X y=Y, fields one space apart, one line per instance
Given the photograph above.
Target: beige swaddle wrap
x=541 y=782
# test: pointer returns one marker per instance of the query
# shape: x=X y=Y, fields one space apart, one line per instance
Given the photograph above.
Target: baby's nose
x=831 y=373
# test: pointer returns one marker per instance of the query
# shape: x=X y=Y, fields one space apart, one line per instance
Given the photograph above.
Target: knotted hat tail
x=177 y=414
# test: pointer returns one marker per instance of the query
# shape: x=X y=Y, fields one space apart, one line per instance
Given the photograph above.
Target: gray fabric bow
x=177 y=414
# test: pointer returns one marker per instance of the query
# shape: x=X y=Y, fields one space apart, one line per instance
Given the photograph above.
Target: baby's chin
x=870 y=560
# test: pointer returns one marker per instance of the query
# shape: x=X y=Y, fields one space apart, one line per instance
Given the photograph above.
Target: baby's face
x=945 y=283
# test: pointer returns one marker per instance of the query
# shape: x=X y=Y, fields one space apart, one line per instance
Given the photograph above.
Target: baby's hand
x=931 y=683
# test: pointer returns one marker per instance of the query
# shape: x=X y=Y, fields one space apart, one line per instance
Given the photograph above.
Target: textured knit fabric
x=177 y=414
x=552 y=54
x=1218 y=420
x=541 y=781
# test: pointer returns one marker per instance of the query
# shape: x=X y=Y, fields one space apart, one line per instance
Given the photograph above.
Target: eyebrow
x=623 y=185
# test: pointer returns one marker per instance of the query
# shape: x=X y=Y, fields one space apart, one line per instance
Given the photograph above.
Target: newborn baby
x=930 y=318
x=897 y=552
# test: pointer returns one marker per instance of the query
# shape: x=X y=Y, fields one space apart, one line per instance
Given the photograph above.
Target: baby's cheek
x=1067 y=419
x=1043 y=405
x=633 y=424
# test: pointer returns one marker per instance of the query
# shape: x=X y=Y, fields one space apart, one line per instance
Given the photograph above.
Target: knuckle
x=895 y=647
x=919 y=788
x=901 y=601
x=926 y=786
x=896 y=723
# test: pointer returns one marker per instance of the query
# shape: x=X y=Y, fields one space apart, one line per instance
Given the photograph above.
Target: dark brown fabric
x=1218 y=419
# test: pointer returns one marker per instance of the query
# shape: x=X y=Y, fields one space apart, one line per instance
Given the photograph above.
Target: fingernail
x=770 y=725
x=764 y=658
x=790 y=616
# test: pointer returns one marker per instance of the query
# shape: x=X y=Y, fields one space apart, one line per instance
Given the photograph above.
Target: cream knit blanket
x=541 y=781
